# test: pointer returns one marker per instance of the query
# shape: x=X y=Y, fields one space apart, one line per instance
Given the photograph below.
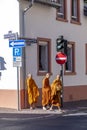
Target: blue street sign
x=14 y=58
x=17 y=51
x=16 y=43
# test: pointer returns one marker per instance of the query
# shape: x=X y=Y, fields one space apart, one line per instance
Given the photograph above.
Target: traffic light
x=59 y=44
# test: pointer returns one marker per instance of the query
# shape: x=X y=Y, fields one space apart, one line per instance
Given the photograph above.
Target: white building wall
x=8 y=22
x=40 y=21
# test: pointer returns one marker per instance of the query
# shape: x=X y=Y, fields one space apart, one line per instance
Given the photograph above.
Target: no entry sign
x=61 y=58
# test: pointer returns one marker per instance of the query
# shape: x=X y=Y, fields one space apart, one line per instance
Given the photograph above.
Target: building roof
x=45 y=2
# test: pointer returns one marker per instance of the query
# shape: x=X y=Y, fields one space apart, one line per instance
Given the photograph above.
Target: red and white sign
x=61 y=58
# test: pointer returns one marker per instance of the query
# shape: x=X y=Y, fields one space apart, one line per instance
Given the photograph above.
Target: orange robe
x=33 y=91
x=46 y=92
x=56 y=88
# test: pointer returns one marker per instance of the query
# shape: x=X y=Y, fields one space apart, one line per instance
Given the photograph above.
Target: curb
x=41 y=111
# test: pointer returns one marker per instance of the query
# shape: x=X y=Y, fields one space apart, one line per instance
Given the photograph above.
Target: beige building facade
x=45 y=24
x=40 y=26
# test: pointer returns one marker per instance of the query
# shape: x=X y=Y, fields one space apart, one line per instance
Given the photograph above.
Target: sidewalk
x=76 y=105
x=67 y=108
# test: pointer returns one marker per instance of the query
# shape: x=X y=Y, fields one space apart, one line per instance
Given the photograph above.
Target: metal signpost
x=17 y=56
x=61 y=58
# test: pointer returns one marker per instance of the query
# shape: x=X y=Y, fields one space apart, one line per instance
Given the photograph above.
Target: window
x=44 y=56
x=61 y=11
x=85 y=7
x=70 y=64
x=86 y=58
x=0 y=65
x=75 y=11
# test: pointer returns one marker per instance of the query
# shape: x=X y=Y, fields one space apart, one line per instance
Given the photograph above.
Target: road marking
x=76 y=114
x=29 y=118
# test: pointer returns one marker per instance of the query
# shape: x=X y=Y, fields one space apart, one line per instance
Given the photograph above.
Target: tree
x=85 y=1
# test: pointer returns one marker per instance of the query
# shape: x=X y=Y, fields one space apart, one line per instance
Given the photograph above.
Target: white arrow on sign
x=16 y=43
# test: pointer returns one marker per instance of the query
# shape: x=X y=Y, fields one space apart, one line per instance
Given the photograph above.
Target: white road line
x=76 y=114
x=29 y=118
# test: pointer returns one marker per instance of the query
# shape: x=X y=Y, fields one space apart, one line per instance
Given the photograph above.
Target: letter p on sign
x=17 y=51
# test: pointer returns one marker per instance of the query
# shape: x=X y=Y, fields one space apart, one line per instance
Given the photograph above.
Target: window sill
x=69 y=73
x=43 y=73
x=75 y=22
x=61 y=19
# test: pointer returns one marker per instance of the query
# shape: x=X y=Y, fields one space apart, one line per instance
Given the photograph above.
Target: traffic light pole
x=61 y=46
x=61 y=74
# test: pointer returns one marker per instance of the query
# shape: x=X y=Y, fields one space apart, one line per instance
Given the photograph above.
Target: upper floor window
x=86 y=58
x=44 y=56
x=75 y=11
x=70 y=64
x=61 y=11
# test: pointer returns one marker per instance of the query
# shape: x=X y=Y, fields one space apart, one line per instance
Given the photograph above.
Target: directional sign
x=17 y=51
x=16 y=43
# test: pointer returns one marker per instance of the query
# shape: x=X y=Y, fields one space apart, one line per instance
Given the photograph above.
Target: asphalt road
x=68 y=121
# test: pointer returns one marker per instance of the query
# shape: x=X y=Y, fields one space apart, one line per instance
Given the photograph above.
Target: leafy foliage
x=85 y=1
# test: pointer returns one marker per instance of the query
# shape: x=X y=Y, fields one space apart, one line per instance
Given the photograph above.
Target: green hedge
x=85 y=1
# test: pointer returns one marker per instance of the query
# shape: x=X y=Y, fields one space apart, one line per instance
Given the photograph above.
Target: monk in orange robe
x=46 y=92
x=56 y=88
x=33 y=91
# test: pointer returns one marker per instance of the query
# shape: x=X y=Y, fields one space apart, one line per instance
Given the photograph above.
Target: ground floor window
x=44 y=55
x=86 y=58
x=70 y=64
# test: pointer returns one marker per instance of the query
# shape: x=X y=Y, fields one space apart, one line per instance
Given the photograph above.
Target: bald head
x=47 y=75
x=29 y=75
x=58 y=76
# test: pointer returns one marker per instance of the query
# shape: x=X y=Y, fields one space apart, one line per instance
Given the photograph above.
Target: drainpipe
x=22 y=34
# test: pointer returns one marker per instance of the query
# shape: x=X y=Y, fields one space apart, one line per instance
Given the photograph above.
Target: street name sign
x=16 y=43
x=8 y=36
x=11 y=35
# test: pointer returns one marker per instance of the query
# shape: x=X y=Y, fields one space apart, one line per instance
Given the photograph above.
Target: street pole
x=14 y=36
x=61 y=74
x=18 y=83
x=18 y=97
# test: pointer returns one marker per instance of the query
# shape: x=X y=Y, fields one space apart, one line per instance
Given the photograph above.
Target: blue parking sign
x=17 y=51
